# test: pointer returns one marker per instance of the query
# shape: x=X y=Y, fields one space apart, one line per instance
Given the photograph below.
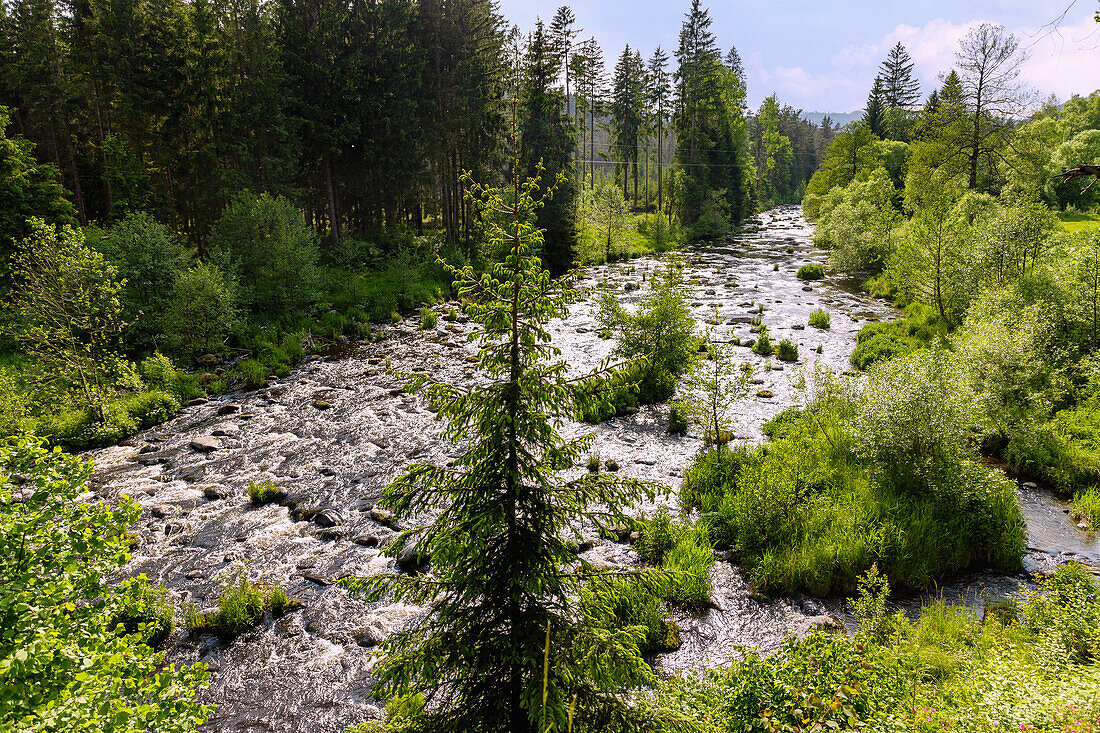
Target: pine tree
x=547 y=139
x=899 y=89
x=626 y=113
x=591 y=84
x=697 y=55
x=874 y=116
x=504 y=579
x=660 y=97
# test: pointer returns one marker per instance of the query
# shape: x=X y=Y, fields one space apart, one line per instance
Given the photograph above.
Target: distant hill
x=838 y=118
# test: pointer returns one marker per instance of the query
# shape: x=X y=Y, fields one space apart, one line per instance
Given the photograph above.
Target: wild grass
x=262 y=492
x=877 y=342
x=820 y=319
x=242 y=605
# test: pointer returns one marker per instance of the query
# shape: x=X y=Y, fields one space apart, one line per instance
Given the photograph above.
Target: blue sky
x=822 y=56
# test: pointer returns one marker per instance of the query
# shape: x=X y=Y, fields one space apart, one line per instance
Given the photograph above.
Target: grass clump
x=811 y=272
x=820 y=319
x=428 y=319
x=763 y=345
x=787 y=351
x=677 y=420
x=262 y=492
x=252 y=373
x=1086 y=506
x=143 y=609
x=242 y=605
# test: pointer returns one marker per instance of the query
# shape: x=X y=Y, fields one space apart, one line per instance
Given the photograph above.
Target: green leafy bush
x=677 y=420
x=763 y=345
x=265 y=242
x=63 y=667
x=428 y=319
x=820 y=319
x=144 y=609
x=202 y=311
x=788 y=350
x=811 y=272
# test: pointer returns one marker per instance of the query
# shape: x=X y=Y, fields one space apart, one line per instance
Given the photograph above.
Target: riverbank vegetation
x=991 y=251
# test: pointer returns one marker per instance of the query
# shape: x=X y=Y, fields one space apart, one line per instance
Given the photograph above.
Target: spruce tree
x=626 y=113
x=899 y=89
x=660 y=98
x=547 y=139
x=504 y=580
x=874 y=116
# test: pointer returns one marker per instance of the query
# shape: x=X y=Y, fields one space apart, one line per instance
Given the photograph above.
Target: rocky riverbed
x=334 y=432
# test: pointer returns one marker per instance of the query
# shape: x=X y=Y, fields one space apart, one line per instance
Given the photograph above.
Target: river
x=335 y=431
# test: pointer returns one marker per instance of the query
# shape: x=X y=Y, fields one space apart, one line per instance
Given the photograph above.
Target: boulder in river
x=205 y=444
x=327 y=518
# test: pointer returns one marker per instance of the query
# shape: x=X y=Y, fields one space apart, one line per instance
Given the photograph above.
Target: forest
x=386 y=367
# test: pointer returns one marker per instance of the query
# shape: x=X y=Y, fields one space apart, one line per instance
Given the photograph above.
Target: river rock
x=321 y=404
x=410 y=558
x=371 y=540
x=824 y=622
x=213 y=493
x=229 y=409
x=191 y=473
x=381 y=515
x=148 y=448
x=205 y=444
x=327 y=518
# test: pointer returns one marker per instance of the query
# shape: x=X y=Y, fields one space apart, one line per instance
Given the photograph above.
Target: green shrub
x=820 y=319
x=1065 y=613
x=811 y=272
x=677 y=421
x=661 y=331
x=252 y=373
x=65 y=667
x=265 y=241
x=202 y=311
x=428 y=319
x=788 y=350
x=262 y=492
x=241 y=606
x=143 y=609
x=147 y=409
x=160 y=374
x=630 y=606
x=763 y=345
x=885 y=341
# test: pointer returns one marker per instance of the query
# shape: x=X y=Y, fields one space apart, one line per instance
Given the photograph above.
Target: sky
x=823 y=56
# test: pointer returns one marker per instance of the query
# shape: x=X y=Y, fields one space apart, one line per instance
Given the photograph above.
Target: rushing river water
x=336 y=431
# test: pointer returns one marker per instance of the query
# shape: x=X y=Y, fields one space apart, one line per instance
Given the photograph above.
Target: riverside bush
x=948 y=670
x=811 y=272
x=763 y=345
x=855 y=480
x=143 y=609
x=884 y=341
x=787 y=351
x=63 y=664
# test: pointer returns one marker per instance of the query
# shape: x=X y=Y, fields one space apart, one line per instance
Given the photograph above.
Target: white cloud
x=1062 y=63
